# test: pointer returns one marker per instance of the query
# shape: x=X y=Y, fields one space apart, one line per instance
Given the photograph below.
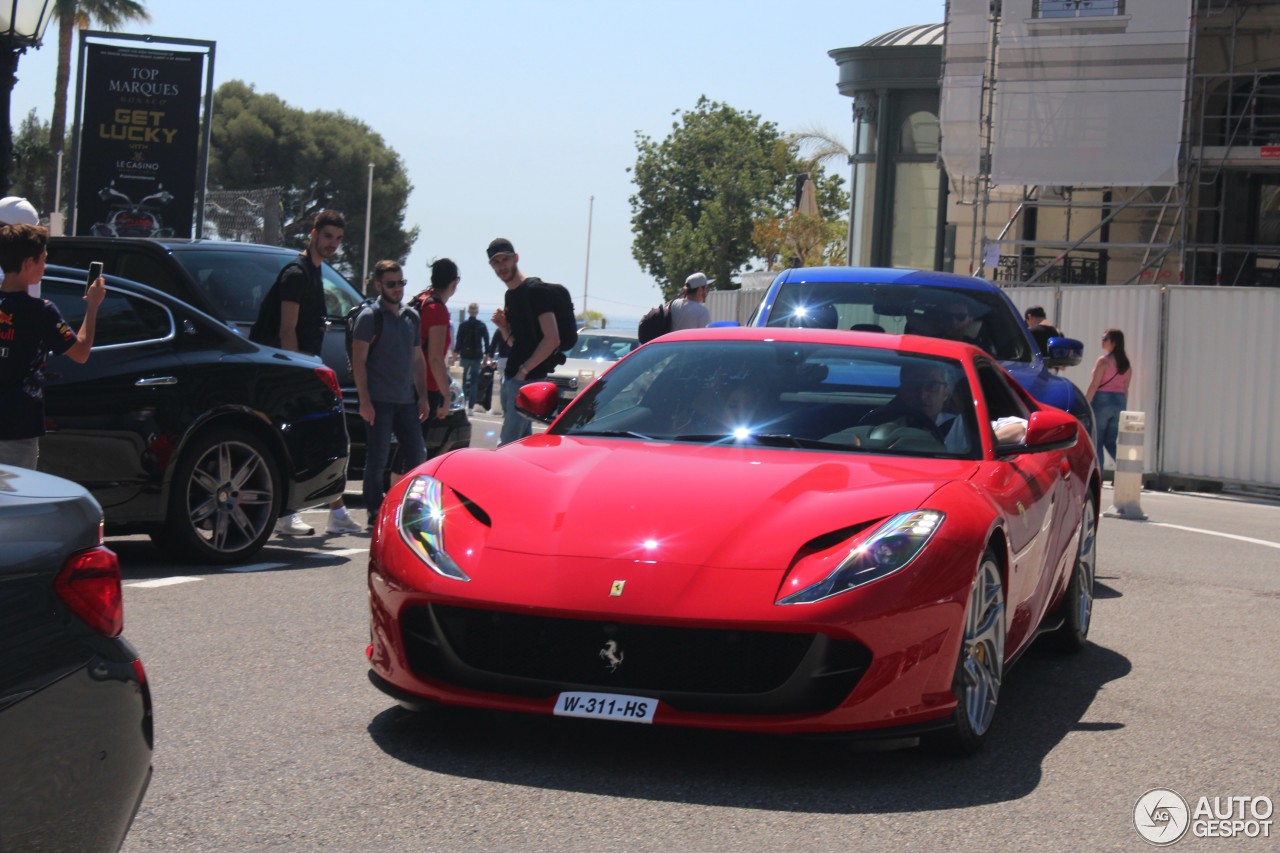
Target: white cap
x=697 y=280
x=15 y=210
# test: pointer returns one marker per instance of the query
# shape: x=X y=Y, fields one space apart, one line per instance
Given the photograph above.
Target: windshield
x=778 y=394
x=235 y=282
x=980 y=318
x=601 y=347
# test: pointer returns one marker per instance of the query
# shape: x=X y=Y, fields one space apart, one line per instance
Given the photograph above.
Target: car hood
x=734 y=507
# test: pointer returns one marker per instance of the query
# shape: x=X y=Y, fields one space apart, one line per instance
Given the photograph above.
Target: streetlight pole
x=368 y=220
x=586 y=276
x=22 y=24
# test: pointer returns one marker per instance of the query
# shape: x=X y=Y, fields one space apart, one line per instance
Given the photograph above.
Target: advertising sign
x=139 y=142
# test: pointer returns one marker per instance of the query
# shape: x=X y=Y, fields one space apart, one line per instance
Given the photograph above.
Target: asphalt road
x=270 y=737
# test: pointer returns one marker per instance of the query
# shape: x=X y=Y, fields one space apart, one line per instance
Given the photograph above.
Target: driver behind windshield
x=923 y=390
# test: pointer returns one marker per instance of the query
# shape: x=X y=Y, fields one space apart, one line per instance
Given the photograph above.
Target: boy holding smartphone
x=31 y=329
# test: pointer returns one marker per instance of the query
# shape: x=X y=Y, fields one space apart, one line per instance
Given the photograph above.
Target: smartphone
x=95 y=273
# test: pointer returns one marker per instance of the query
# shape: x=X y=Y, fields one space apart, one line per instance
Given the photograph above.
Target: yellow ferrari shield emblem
x=616 y=589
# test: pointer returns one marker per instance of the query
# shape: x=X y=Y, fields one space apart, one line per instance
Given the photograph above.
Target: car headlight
x=421 y=522
x=889 y=548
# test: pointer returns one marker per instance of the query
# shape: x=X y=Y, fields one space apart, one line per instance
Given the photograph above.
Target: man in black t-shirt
x=469 y=345
x=292 y=317
x=31 y=329
x=1040 y=329
x=527 y=321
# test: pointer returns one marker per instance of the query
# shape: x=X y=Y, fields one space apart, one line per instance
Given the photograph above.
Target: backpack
x=566 y=319
x=655 y=324
x=349 y=325
x=266 y=329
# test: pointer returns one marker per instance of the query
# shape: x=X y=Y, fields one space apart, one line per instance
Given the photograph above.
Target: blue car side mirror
x=1064 y=352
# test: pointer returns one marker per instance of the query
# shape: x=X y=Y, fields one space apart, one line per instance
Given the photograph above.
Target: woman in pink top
x=1109 y=390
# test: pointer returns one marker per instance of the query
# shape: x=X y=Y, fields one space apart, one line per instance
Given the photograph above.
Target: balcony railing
x=1076 y=8
x=1052 y=270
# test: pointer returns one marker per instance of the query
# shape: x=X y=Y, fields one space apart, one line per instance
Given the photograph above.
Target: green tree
x=593 y=319
x=34 y=163
x=321 y=159
x=80 y=14
x=700 y=190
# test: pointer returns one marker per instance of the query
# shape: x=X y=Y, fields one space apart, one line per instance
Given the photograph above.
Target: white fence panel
x=1222 y=388
x=735 y=305
x=1204 y=372
x=1084 y=313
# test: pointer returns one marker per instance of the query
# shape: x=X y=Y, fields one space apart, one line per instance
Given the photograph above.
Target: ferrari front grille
x=692 y=669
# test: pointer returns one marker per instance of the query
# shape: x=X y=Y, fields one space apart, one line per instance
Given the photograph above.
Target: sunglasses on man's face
x=395 y=282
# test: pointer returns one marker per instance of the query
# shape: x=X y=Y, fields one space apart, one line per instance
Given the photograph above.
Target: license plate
x=606 y=706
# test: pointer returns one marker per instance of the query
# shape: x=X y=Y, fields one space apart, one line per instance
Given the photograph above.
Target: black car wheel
x=1077 y=604
x=223 y=501
x=980 y=670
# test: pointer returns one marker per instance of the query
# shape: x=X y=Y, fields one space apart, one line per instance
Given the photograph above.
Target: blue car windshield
x=804 y=396
x=982 y=319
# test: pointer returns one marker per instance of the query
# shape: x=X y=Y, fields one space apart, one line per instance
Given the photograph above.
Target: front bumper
x=864 y=664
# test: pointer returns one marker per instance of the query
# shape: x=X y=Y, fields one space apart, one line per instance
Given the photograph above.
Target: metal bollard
x=1127 y=485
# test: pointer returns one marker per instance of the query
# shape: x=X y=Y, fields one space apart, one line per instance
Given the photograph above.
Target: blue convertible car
x=875 y=299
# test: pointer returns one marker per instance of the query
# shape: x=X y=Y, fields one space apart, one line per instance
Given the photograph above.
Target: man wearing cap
x=15 y=210
x=527 y=322
x=30 y=331
x=689 y=311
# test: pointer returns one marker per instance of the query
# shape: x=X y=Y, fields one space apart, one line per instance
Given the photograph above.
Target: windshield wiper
x=788 y=440
x=611 y=433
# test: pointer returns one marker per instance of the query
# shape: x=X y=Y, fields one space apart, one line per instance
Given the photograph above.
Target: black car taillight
x=89 y=584
x=328 y=377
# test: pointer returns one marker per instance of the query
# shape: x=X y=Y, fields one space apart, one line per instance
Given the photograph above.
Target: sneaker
x=340 y=521
x=293 y=525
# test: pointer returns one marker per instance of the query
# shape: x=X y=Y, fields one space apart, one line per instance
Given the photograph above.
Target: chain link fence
x=244 y=216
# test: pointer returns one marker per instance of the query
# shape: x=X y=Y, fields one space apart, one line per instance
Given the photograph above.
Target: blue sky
x=510 y=116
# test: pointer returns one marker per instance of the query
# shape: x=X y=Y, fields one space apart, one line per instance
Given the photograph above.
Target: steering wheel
x=901 y=416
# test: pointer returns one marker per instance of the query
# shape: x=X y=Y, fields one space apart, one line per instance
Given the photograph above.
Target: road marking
x=1248 y=539
x=341 y=552
x=162 y=582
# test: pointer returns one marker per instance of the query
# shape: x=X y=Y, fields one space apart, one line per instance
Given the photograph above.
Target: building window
x=1054 y=17
x=1076 y=8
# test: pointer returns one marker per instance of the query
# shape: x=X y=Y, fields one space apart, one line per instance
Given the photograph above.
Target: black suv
x=228 y=280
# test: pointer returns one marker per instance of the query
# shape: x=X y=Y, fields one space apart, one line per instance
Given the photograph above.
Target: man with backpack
x=391 y=381
x=470 y=345
x=689 y=311
x=292 y=317
x=528 y=323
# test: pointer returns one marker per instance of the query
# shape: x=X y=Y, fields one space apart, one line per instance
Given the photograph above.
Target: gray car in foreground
x=75 y=709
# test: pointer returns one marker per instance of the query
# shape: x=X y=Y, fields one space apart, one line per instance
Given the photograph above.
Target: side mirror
x=1064 y=352
x=538 y=400
x=1049 y=429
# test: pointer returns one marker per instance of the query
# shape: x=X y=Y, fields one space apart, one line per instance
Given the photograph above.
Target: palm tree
x=73 y=14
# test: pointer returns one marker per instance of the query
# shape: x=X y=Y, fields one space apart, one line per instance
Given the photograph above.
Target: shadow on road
x=140 y=559
x=1044 y=699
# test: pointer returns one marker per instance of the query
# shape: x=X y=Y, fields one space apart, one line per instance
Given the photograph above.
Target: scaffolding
x=1219 y=223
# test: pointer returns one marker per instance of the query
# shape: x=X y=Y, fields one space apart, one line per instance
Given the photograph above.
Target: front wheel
x=980 y=669
x=223 y=500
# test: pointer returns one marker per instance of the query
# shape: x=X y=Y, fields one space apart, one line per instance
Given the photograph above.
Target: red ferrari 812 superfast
x=770 y=530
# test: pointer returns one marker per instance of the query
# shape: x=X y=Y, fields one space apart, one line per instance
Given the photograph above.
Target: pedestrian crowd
x=400 y=349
